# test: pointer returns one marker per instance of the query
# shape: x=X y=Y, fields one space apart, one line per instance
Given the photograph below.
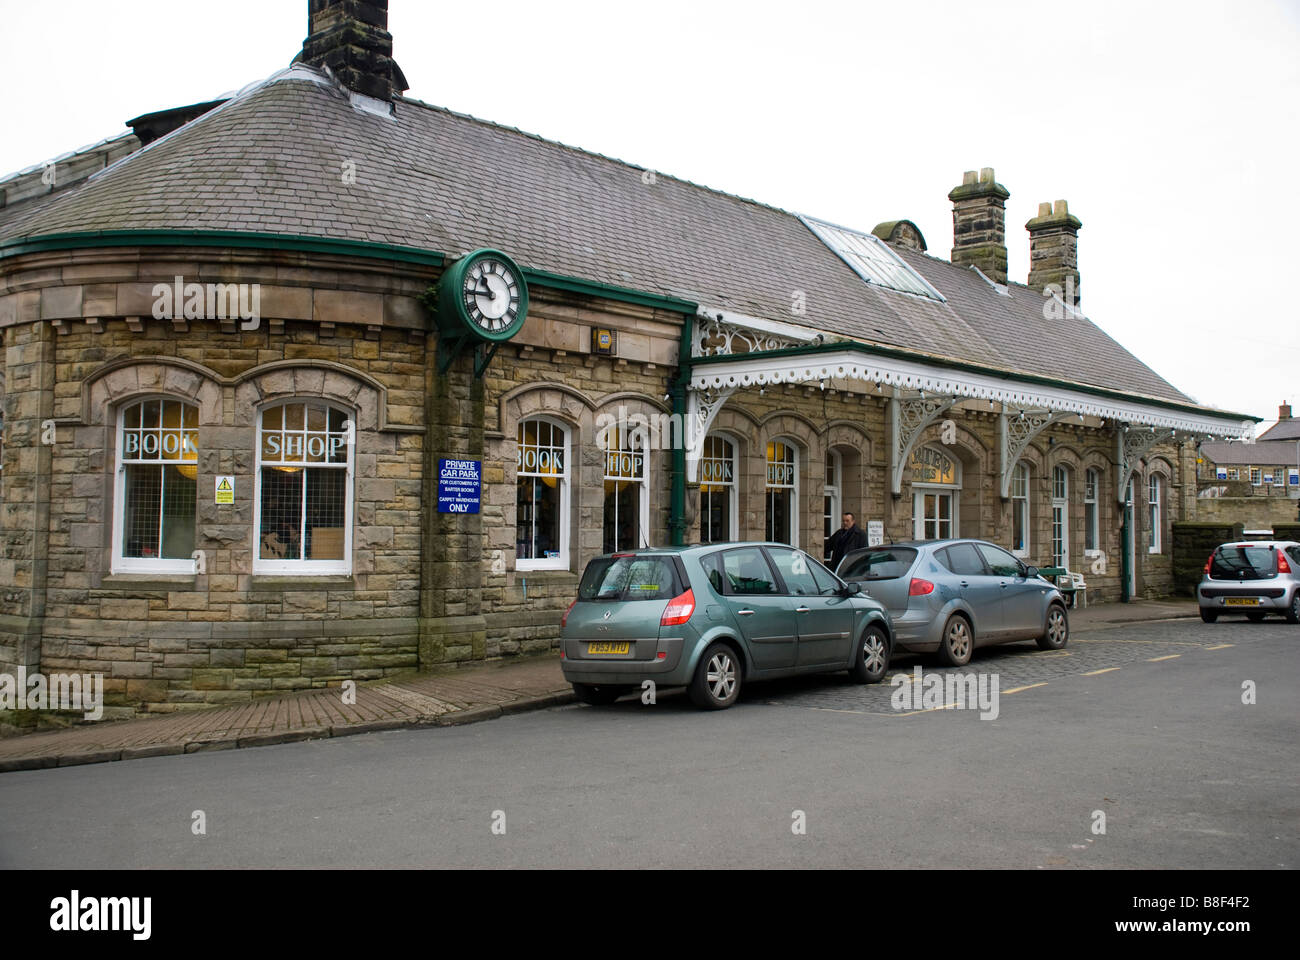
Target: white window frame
x=919 y=491
x=1020 y=476
x=831 y=490
x=304 y=568
x=563 y=480
x=1092 y=511
x=1155 y=512
x=633 y=443
x=793 y=487
x=1256 y=477
x=733 y=508
x=1061 y=515
x=121 y=564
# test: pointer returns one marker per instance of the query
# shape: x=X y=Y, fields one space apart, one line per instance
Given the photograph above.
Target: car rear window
x=629 y=578
x=1243 y=563
x=887 y=563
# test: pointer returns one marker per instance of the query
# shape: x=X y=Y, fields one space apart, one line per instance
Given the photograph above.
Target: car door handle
x=800 y=609
x=1005 y=585
x=745 y=613
x=965 y=583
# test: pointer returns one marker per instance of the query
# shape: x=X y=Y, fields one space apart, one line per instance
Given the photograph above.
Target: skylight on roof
x=871 y=259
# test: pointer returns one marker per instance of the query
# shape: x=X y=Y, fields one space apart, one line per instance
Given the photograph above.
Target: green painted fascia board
x=219 y=238
x=591 y=288
x=244 y=239
x=813 y=349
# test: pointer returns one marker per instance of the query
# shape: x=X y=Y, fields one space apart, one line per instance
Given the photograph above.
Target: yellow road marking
x=1018 y=689
x=1219 y=646
x=1093 y=673
x=1055 y=653
x=1172 y=656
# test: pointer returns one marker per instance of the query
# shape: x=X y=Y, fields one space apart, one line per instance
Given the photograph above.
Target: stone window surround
x=119 y=382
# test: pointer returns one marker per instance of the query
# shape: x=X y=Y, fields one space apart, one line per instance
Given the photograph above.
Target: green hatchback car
x=713 y=617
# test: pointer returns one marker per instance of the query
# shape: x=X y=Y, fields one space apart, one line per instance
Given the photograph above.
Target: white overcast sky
x=1171 y=129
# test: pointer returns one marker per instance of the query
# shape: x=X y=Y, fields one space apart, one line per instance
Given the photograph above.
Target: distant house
x=1268 y=467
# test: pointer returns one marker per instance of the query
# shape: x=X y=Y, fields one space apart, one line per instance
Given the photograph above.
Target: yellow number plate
x=1242 y=602
x=607 y=647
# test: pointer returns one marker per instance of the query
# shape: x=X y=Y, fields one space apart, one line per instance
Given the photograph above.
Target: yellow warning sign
x=225 y=489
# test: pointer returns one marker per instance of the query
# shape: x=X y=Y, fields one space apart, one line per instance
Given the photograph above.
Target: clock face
x=492 y=294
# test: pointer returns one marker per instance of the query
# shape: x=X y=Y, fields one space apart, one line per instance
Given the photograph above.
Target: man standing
x=848 y=537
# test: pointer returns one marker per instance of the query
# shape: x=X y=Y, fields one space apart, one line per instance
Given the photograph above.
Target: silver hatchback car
x=951 y=596
x=1253 y=577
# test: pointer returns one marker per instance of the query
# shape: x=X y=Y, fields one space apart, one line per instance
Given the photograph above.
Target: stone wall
x=1193 y=544
x=1252 y=513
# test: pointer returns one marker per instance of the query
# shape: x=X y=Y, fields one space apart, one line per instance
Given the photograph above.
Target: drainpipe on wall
x=1124 y=571
x=677 y=507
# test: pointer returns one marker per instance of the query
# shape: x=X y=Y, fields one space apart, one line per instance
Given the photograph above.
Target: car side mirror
x=851 y=588
x=1031 y=572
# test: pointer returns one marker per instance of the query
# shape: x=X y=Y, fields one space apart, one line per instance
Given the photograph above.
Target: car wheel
x=958 y=643
x=1056 y=632
x=1293 y=611
x=597 y=695
x=716 y=683
x=1209 y=616
x=1255 y=616
x=873 y=656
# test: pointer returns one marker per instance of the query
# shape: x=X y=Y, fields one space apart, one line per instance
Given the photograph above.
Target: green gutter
x=813 y=349
x=219 y=238
x=677 y=503
x=555 y=281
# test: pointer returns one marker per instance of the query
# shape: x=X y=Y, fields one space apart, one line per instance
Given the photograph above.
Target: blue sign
x=1221 y=473
x=1293 y=478
x=459 y=485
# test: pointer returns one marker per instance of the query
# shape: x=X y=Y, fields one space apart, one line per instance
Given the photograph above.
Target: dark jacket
x=843 y=541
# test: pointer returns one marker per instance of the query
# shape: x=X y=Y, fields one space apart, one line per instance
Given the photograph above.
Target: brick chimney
x=1054 y=251
x=1284 y=412
x=351 y=38
x=979 y=228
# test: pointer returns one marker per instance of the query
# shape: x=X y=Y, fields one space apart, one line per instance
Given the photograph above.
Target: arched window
x=1020 y=511
x=1060 y=517
x=718 y=490
x=1153 y=514
x=542 y=496
x=831 y=500
x=155 y=488
x=304 y=489
x=627 y=506
x=1091 y=522
x=936 y=493
x=782 y=492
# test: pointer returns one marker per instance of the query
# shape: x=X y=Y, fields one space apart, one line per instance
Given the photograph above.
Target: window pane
x=537 y=510
x=143 y=504
x=715 y=514
x=793 y=567
x=747 y=572
x=622 y=530
x=326 y=492
x=177 y=513
x=280 y=536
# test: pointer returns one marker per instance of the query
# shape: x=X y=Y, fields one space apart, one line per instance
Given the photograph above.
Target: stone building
x=1255 y=484
x=249 y=363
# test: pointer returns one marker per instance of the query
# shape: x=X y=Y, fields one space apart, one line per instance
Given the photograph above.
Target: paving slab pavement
x=464 y=695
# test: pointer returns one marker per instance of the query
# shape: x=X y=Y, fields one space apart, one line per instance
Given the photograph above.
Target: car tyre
x=597 y=695
x=1293 y=611
x=872 y=660
x=716 y=684
x=1056 y=631
x=1209 y=616
x=958 y=642
x=1255 y=616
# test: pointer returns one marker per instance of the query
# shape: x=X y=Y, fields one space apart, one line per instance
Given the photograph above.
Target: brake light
x=565 y=619
x=920 y=588
x=1282 y=565
x=1208 y=560
x=679 y=610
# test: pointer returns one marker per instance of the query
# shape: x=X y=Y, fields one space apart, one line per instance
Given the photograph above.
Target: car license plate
x=607 y=647
x=1242 y=602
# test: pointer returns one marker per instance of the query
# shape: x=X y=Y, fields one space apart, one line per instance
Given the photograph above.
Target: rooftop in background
x=1259 y=453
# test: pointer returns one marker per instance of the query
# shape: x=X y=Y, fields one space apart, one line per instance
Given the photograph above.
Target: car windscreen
x=884 y=563
x=629 y=578
x=1243 y=563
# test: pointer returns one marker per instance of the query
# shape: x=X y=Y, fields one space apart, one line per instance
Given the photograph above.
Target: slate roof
x=1282 y=430
x=271 y=160
x=1260 y=453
